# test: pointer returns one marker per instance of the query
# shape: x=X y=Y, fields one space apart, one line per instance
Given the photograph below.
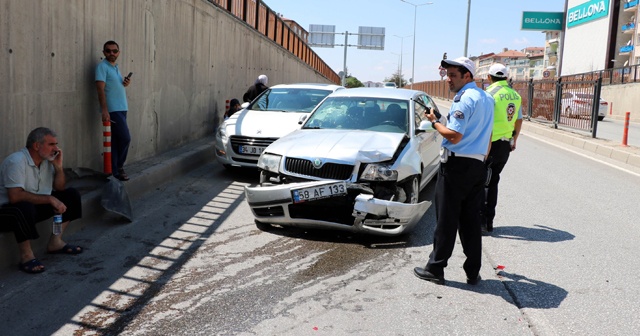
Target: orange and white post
x=625 y=133
x=106 y=144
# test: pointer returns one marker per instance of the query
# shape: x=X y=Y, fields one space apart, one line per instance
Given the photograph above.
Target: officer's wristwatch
x=433 y=124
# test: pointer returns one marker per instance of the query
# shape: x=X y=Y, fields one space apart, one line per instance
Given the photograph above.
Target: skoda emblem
x=317 y=163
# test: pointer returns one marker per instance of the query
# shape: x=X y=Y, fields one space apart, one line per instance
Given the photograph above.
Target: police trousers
x=458 y=200
x=498 y=157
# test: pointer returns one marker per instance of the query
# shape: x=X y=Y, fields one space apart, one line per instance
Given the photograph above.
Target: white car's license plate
x=251 y=150
x=319 y=192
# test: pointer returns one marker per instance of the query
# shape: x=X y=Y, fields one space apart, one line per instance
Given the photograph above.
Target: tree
x=353 y=82
x=397 y=78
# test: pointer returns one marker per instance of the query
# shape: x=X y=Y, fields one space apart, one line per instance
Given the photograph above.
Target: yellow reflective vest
x=505 y=113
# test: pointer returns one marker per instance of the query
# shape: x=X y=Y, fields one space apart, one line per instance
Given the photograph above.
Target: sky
x=440 y=27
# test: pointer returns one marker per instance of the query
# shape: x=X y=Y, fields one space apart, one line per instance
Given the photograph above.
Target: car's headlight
x=379 y=172
x=222 y=131
x=270 y=162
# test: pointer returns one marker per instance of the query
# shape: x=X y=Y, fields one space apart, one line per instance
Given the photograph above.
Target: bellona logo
x=543 y=20
x=586 y=12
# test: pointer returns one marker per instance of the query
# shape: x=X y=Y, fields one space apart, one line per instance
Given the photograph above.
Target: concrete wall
x=625 y=98
x=187 y=57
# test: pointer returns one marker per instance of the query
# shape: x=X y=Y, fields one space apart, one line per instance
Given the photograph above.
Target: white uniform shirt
x=19 y=171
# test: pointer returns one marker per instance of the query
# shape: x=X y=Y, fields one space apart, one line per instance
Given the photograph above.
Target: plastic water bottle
x=57 y=224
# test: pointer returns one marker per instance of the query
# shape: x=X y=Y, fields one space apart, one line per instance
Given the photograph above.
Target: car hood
x=266 y=124
x=347 y=146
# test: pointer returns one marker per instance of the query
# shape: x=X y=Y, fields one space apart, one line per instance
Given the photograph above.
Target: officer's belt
x=470 y=156
x=503 y=139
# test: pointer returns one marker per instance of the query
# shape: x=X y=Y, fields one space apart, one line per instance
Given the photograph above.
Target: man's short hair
x=38 y=134
x=104 y=47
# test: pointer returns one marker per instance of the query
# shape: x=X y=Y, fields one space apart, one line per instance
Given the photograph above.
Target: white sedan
x=358 y=164
x=278 y=111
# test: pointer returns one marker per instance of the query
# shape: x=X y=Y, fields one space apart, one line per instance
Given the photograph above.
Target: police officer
x=460 y=184
x=507 y=121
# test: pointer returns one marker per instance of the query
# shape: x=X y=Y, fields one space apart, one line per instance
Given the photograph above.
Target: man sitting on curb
x=31 y=190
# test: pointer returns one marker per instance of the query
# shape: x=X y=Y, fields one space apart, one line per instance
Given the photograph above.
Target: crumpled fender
x=407 y=214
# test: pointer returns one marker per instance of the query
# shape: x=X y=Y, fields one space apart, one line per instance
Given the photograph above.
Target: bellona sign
x=586 y=12
x=542 y=20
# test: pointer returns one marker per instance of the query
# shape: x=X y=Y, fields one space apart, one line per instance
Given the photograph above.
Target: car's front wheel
x=412 y=189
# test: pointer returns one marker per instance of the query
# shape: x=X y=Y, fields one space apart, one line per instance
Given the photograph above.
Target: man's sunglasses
x=111 y=51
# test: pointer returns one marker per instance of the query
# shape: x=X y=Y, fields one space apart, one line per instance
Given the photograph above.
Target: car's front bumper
x=355 y=212
x=226 y=155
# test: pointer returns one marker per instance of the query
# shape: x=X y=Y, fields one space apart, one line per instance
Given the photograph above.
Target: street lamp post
x=401 y=50
x=413 y=60
x=466 y=35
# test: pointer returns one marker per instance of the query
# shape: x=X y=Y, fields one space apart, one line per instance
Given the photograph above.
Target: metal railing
x=566 y=102
x=268 y=23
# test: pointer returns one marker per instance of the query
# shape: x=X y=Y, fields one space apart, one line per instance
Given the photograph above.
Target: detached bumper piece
x=355 y=212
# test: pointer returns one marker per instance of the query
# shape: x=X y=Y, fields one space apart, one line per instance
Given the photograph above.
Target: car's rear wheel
x=412 y=189
x=600 y=118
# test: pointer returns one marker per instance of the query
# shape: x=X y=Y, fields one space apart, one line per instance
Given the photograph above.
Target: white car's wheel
x=569 y=112
x=412 y=188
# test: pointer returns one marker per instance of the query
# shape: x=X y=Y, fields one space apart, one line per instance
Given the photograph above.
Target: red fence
x=267 y=22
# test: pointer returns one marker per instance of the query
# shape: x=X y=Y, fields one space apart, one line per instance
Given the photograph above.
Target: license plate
x=251 y=150
x=319 y=192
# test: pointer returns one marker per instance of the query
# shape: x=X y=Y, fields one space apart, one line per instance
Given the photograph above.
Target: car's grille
x=238 y=140
x=327 y=171
x=335 y=210
x=276 y=211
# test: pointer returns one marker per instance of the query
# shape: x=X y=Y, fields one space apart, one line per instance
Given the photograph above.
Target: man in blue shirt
x=460 y=185
x=113 y=105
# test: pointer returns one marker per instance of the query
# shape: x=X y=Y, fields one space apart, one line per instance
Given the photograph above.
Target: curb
x=605 y=148
x=145 y=176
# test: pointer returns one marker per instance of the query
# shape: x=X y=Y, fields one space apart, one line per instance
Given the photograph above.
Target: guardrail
x=268 y=23
x=566 y=101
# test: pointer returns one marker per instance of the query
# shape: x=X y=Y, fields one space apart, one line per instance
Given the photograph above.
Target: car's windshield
x=289 y=100
x=361 y=113
x=390 y=84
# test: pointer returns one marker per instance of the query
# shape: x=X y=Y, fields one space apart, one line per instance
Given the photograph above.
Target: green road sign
x=542 y=20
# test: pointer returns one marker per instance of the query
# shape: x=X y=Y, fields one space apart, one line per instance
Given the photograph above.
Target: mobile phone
x=55 y=154
x=129 y=75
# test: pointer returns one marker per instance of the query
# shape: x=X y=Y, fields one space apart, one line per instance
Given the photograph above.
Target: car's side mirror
x=425 y=126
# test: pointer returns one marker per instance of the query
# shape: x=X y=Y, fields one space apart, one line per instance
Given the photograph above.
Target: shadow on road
x=523 y=292
x=536 y=233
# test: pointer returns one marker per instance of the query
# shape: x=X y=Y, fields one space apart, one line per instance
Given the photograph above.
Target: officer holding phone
x=113 y=105
x=462 y=174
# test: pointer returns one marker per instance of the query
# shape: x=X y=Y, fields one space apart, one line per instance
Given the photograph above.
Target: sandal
x=122 y=176
x=32 y=266
x=67 y=249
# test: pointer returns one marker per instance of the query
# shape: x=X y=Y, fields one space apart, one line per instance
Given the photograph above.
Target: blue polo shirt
x=114 y=88
x=471 y=115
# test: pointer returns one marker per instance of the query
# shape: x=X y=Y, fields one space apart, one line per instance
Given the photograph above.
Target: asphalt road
x=613 y=130
x=562 y=260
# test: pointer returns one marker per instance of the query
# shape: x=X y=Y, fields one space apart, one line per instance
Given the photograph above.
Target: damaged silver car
x=358 y=163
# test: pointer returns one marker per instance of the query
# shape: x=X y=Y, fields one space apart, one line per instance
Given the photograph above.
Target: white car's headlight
x=270 y=162
x=379 y=172
x=222 y=131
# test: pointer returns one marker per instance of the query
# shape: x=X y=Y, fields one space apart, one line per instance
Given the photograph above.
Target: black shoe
x=474 y=281
x=426 y=275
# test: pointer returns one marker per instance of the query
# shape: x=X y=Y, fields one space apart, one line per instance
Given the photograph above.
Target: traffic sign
x=546 y=74
x=443 y=72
